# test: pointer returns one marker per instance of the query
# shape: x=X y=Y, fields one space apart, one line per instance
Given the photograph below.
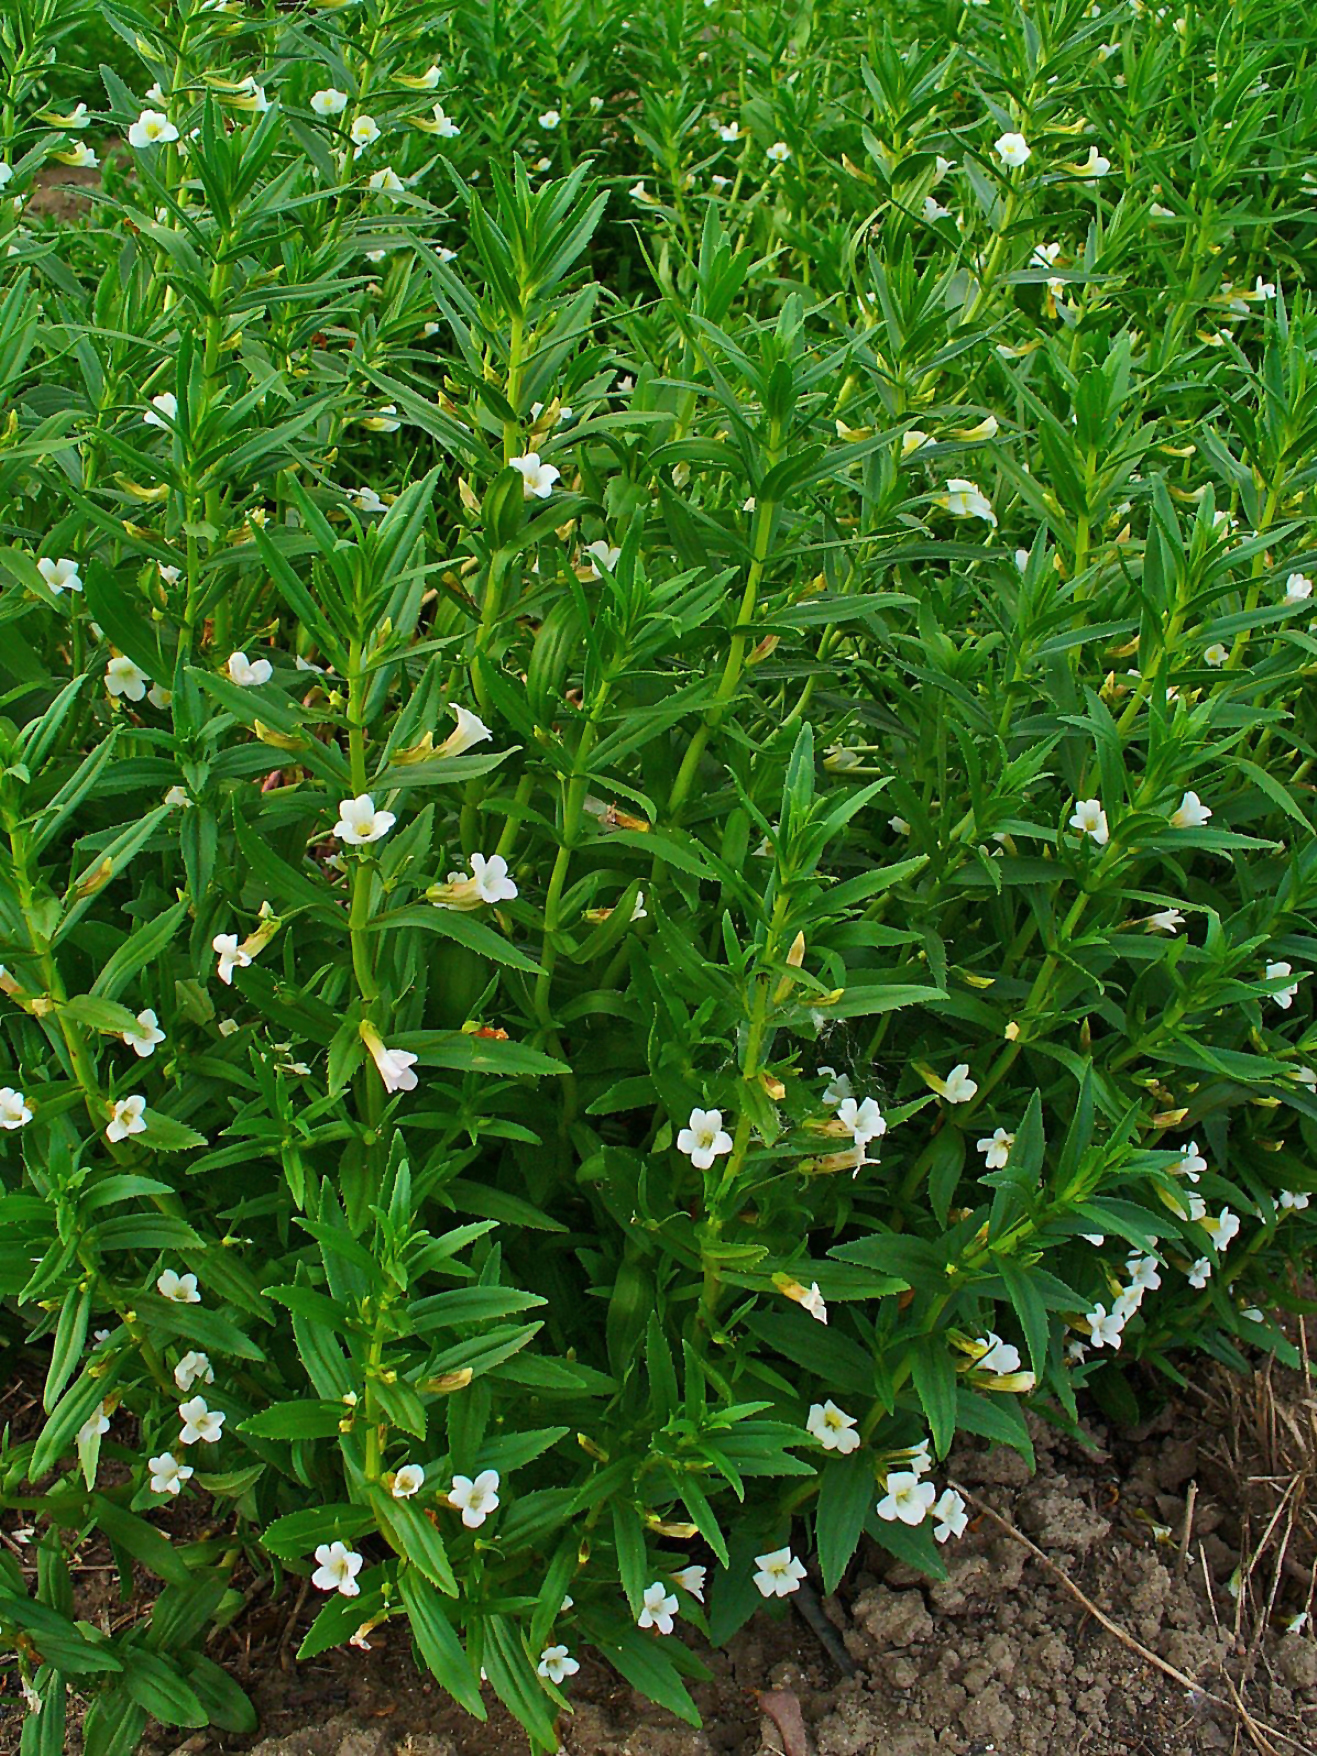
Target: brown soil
x=1000 y=1657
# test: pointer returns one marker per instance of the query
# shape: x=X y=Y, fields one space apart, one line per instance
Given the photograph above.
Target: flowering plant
x=655 y=808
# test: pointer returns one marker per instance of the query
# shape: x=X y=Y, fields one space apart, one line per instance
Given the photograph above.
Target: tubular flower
x=127 y=1118
x=950 y=1517
x=475 y=1499
x=168 y=1474
x=201 y=1424
x=1190 y=813
x=489 y=883
x=337 y=1569
x=1012 y=149
x=144 y=1035
x=556 y=1664
x=180 y=1288
x=704 y=1138
x=965 y=499
x=907 y=1498
x=834 y=1430
x=359 y=823
x=778 y=1573
x=394 y=1065
x=1090 y=819
x=537 y=478
x=658 y=1608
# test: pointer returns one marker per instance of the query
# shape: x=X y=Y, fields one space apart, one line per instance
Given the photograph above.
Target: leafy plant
x=656 y=797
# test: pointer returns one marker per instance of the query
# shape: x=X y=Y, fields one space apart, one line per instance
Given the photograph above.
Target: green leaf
x=439 y=1647
x=156 y=1686
x=295 y=1420
x=847 y=1492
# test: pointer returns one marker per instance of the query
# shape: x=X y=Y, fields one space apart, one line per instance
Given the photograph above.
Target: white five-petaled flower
x=704 y=1138
x=360 y=823
x=602 y=554
x=61 y=575
x=14 y=1109
x=657 y=1608
x=778 y=153
x=329 y=102
x=364 y=132
x=1283 y=997
x=1090 y=819
x=444 y=125
x=951 y=1518
x=338 y=1569
x=80 y=156
x=1293 y=1200
x=471 y=730
x=201 y=1425
x=727 y=131
x=832 y=1427
x=1190 y=813
x=1105 y=1326
x=778 y=1573
x=864 y=1122
x=385 y=182
x=958 y=1087
x=1298 y=588
x=813 y=1301
x=934 y=211
x=408 y=1480
x=385 y=420
x=549 y=120
x=231 y=956
x=1222 y=1230
x=193 y=1368
x=537 y=478
x=152 y=128
x=907 y=1498
x=1216 y=655
x=999 y=1357
x=395 y=1065
x=1192 y=1163
x=163 y=409
x=167 y=1473
x=1012 y=149
x=1143 y=1272
x=364 y=500
x=1200 y=1273
x=123 y=677
x=144 y=1033
x=96 y=1424
x=1095 y=165
x=965 y=499
x=475 y=1499
x=249 y=673
x=181 y=1288
x=839 y=1087
x=1166 y=920
x=556 y=1663
x=996 y=1148
x=489 y=882
x=692 y=1579
x=128 y=1118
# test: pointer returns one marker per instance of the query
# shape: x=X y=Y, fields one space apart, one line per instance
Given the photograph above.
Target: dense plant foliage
x=656 y=794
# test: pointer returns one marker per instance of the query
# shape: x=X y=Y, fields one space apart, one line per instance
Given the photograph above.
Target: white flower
x=444 y=125
x=364 y=500
x=658 y=1607
x=1263 y=290
x=1298 y=588
x=385 y=182
x=727 y=131
x=778 y=153
x=778 y=1573
x=364 y=132
x=14 y=1111
x=329 y=102
x=167 y=1473
x=1021 y=560
x=249 y=673
x=97 y=1423
x=1143 y=1272
x=898 y=826
x=996 y=1148
x=704 y=1138
x=385 y=421
x=471 y=730
x=231 y=956
x=813 y=1302
x=1192 y=1163
x=1090 y=819
x=1283 y=997
x=395 y=1065
x=1190 y=813
x=934 y=210
x=537 y=478
x=692 y=1579
x=1294 y=1200
x=475 y=1500
x=122 y=677
x=408 y=1480
x=602 y=554
x=200 y=1424
x=556 y=1663
x=6 y=173
x=1166 y=920
x=193 y=1368
x=919 y=1458
x=338 y=1569
x=170 y=575
x=143 y=1036
x=549 y=120
x=864 y=1122
x=1012 y=150
x=638 y=911
x=964 y=499
x=181 y=1288
x=1216 y=655
x=999 y=1357
x=163 y=409
x=834 y=1430
x=1201 y=1272
x=360 y=823
x=907 y=1498
x=489 y=883
x=1105 y=1327
x=951 y=1517
x=1222 y=1230
x=127 y=1118
x=958 y=1087
x=152 y=128
x=1093 y=166
x=913 y=440
x=839 y=1087
x=61 y=575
